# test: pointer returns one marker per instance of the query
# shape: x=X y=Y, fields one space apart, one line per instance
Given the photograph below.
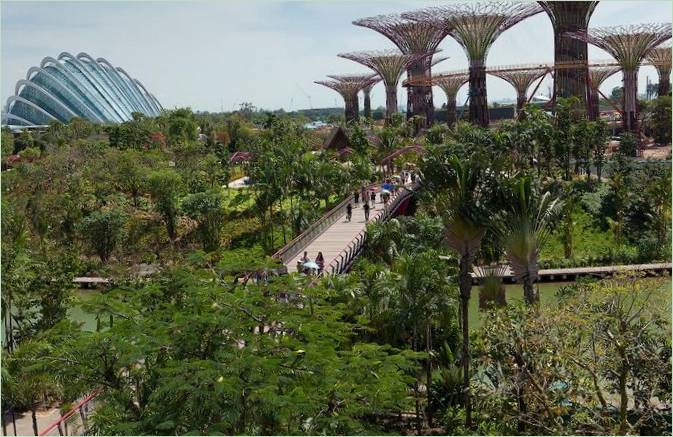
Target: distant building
x=315 y=125
x=77 y=86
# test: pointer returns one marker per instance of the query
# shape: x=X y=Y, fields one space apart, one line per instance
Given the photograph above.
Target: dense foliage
x=199 y=335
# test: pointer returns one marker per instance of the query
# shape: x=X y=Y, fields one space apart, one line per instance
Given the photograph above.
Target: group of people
x=366 y=195
x=302 y=266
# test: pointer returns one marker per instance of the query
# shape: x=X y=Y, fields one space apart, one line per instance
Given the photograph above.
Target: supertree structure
x=450 y=83
x=366 y=91
x=598 y=73
x=628 y=45
x=660 y=57
x=366 y=81
x=476 y=26
x=570 y=16
x=412 y=38
x=389 y=64
x=521 y=78
x=348 y=86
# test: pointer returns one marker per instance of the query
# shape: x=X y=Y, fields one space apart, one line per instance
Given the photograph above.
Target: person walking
x=320 y=260
x=373 y=197
x=366 y=209
x=349 y=212
x=363 y=194
x=356 y=197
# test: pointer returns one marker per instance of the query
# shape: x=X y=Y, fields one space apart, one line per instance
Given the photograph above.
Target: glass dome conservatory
x=77 y=86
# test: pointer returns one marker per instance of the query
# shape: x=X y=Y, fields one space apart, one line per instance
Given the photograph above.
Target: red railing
x=77 y=424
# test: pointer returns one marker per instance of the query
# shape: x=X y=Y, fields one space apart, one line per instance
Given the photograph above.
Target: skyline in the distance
x=214 y=56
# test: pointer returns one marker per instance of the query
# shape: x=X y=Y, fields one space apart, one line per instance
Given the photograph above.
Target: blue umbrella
x=311 y=265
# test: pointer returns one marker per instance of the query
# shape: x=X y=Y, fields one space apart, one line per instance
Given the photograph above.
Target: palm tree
x=421 y=292
x=384 y=239
x=463 y=206
x=523 y=228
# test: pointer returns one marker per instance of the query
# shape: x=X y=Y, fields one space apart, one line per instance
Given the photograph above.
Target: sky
x=213 y=56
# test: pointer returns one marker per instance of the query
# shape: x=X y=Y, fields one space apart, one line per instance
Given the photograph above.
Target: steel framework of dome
x=570 y=16
x=628 y=45
x=660 y=57
x=80 y=86
x=389 y=64
x=412 y=38
x=476 y=26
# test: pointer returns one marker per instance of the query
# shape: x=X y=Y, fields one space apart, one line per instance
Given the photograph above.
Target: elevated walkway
x=339 y=240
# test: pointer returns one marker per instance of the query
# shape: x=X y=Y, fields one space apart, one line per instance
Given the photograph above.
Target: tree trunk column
x=451 y=110
x=419 y=97
x=570 y=81
x=594 y=107
x=664 y=83
x=391 y=101
x=367 y=103
x=630 y=117
x=478 y=100
x=520 y=102
x=351 y=108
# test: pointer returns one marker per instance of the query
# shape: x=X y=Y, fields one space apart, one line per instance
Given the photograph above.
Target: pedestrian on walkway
x=373 y=194
x=305 y=258
x=349 y=212
x=366 y=208
x=356 y=197
x=363 y=193
x=320 y=260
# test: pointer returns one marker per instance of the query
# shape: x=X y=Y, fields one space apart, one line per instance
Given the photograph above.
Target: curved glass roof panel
x=68 y=86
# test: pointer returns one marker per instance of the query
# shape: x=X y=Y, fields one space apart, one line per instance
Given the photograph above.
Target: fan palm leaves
x=523 y=228
x=463 y=205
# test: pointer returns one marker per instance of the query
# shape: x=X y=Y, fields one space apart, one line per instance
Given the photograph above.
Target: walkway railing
x=343 y=261
x=76 y=420
x=294 y=247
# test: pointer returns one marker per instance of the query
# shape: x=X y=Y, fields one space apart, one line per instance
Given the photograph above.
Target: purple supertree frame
x=476 y=26
x=389 y=64
x=349 y=86
x=412 y=38
x=628 y=45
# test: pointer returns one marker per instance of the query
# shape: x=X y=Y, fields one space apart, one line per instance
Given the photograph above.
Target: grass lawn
x=588 y=240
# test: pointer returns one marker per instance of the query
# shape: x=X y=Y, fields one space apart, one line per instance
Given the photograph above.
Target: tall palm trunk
x=428 y=369
x=530 y=294
x=465 y=284
x=34 y=417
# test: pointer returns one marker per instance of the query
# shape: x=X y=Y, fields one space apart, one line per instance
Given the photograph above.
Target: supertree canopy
x=348 y=86
x=660 y=57
x=598 y=73
x=366 y=82
x=412 y=38
x=476 y=26
x=521 y=78
x=570 y=16
x=450 y=83
x=628 y=45
x=389 y=64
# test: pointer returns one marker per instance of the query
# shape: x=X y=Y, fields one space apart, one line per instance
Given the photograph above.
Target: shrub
x=101 y=230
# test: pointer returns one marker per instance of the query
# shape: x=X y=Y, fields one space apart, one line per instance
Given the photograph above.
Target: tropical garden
x=186 y=339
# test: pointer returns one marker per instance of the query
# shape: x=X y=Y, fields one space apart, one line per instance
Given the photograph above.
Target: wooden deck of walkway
x=574 y=272
x=333 y=240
